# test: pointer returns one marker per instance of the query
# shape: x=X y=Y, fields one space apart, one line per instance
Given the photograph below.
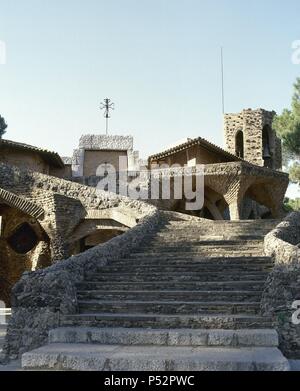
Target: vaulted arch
x=21 y=204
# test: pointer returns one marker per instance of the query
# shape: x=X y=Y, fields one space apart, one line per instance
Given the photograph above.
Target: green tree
x=291 y=205
x=287 y=126
x=296 y=100
x=3 y=126
x=295 y=172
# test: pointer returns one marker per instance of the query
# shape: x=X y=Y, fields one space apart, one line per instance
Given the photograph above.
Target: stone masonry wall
x=40 y=297
x=282 y=288
x=251 y=122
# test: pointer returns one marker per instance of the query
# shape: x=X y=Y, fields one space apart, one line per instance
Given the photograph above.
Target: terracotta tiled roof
x=196 y=141
x=50 y=157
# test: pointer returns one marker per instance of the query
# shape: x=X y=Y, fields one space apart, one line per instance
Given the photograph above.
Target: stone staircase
x=188 y=299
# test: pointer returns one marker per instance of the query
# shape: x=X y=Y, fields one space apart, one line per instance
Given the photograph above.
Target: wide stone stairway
x=187 y=299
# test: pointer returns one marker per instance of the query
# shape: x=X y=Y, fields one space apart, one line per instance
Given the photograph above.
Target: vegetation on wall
x=3 y=126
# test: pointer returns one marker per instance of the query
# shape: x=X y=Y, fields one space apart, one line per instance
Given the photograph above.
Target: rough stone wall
x=282 y=288
x=251 y=122
x=39 y=298
x=102 y=141
x=64 y=202
x=40 y=188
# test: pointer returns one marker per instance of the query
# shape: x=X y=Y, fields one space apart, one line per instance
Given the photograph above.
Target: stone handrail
x=41 y=297
x=282 y=287
x=283 y=242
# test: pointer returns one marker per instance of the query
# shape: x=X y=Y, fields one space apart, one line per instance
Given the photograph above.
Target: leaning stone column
x=59 y=249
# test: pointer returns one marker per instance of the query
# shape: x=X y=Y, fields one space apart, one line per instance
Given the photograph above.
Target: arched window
x=266 y=146
x=239 y=144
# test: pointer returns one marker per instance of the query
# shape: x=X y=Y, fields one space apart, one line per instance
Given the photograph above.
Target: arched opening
x=23 y=239
x=94 y=231
x=239 y=144
x=97 y=237
x=267 y=146
x=24 y=246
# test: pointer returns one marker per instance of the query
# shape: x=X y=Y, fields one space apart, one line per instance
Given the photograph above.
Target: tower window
x=266 y=146
x=239 y=144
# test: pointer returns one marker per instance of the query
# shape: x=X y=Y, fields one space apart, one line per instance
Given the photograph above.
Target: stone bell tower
x=250 y=136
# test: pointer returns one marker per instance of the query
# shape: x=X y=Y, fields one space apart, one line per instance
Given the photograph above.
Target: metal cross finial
x=107 y=106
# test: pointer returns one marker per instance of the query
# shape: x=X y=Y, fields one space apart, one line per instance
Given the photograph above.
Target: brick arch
x=21 y=204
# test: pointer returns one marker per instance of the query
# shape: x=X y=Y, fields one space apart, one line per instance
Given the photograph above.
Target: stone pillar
x=235 y=210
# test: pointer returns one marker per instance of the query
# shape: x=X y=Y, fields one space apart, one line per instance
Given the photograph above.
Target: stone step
x=236 y=296
x=193 y=262
x=216 y=229
x=200 y=253
x=137 y=268
x=165 y=337
x=210 y=229
x=225 y=223
x=209 y=234
x=180 y=277
x=168 y=307
x=186 y=247
x=158 y=321
x=256 y=235
x=153 y=358
x=175 y=241
x=193 y=259
x=209 y=250
x=175 y=285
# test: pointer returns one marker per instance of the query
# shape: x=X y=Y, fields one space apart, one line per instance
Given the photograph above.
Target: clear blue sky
x=158 y=60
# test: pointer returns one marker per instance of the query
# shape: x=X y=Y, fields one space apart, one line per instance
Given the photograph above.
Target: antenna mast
x=107 y=105
x=222 y=77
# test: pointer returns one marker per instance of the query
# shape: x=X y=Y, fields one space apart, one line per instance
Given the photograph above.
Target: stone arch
x=21 y=204
x=239 y=144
